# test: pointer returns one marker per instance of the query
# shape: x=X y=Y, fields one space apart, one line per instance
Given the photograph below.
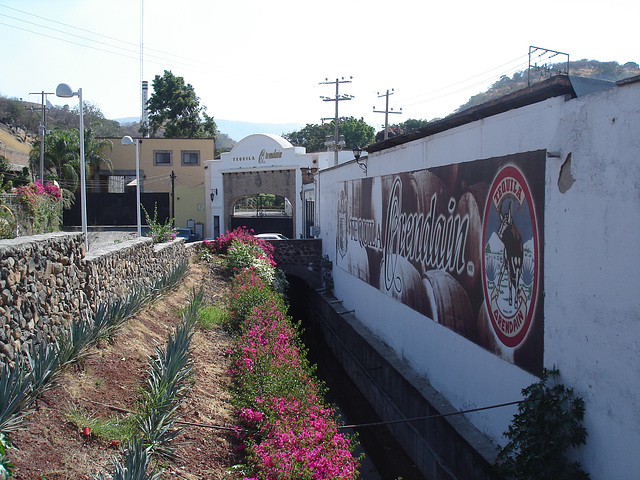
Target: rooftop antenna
x=544 y=52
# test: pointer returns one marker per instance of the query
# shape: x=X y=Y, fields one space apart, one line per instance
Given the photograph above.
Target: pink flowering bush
x=242 y=250
x=41 y=203
x=288 y=432
x=221 y=244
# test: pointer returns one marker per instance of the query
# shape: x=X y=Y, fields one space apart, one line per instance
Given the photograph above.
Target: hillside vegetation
x=610 y=71
x=21 y=119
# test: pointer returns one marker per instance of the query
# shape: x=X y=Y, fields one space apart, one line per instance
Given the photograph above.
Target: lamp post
x=65 y=91
x=127 y=140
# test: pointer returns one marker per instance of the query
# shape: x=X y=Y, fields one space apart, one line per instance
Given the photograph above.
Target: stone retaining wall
x=302 y=258
x=46 y=280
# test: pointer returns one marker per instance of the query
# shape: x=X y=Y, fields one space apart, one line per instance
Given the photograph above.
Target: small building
x=167 y=165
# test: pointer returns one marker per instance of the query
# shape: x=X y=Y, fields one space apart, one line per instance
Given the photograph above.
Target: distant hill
x=238 y=130
x=234 y=130
x=611 y=71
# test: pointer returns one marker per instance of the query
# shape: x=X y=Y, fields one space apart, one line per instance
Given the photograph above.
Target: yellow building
x=167 y=165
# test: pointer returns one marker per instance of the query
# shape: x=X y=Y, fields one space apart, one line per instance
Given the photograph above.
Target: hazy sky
x=263 y=61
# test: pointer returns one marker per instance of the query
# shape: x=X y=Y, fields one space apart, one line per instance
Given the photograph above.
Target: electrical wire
x=470 y=86
x=192 y=64
x=431 y=417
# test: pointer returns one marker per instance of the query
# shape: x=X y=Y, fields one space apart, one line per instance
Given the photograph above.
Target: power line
x=436 y=97
x=431 y=417
x=192 y=64
x=84 y=30
x=471 y=78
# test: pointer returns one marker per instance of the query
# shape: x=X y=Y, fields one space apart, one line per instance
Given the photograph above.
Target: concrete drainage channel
x=384 y=458
x=370 y=384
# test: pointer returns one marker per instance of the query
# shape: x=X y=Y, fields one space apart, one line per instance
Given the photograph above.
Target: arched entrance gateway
x=264 y=213
x=266 y=184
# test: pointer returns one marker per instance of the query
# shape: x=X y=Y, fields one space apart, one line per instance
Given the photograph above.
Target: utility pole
x=336 y=138
x=173 y=198
x=42 y=129
x=386 y=112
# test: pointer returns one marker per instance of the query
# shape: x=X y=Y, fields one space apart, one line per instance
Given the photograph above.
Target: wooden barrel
x=451 y=303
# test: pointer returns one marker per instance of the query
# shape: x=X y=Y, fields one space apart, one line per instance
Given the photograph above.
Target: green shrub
x=6 y=467
x=159 y=232
x=548 y=423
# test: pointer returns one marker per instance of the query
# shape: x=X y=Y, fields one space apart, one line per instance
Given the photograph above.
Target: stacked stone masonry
x=301 y=258
x=47 y=280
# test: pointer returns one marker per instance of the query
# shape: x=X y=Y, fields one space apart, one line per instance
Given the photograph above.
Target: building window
x=190 y=157
x=162 y=157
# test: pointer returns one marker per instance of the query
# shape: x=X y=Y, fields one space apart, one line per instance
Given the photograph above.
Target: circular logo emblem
x=510 y=262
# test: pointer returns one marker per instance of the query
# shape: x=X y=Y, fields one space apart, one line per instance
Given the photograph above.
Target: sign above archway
x=263 y=150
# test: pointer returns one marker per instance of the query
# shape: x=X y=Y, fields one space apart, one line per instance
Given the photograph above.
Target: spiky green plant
x=15 y=388
x=44 y=364
x=75 y=342
x=135 y=464
x=169 y=377
x=168 y=281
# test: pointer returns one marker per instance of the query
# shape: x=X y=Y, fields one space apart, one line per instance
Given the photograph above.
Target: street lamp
x=357 y=152
x=65 y=91
x=127 y=140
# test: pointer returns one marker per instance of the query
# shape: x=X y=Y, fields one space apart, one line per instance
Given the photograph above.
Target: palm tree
x=62 y=155
x=94 y=148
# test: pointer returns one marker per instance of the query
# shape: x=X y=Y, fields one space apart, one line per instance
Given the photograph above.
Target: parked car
x=187 y=234
x=271 y=236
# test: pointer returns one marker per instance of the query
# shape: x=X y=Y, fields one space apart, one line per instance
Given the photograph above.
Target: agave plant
x=75 y=342
x=15 y=388
x=156 y=424
x=168 y=281
x=169 y=377
x=44 y=364
x=134 y=464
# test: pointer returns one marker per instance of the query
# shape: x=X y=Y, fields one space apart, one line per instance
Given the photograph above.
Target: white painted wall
x=591 y=270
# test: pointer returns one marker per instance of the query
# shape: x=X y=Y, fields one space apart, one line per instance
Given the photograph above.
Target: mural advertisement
x=461 y=244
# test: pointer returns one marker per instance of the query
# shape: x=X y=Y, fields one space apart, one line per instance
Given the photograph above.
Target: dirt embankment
x=49 y=446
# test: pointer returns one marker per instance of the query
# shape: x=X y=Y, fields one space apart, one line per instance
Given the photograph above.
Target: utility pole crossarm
x=338 y=98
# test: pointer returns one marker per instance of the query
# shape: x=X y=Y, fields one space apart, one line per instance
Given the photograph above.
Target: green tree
x=94 y=155
x=356 y=132
x=5 y=175
x=412 y=124
x=101 y=126
x=313 y=136
x=174 y=106
x=61 y=155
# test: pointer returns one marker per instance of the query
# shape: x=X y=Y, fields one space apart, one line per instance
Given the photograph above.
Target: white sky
x=262 y=61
